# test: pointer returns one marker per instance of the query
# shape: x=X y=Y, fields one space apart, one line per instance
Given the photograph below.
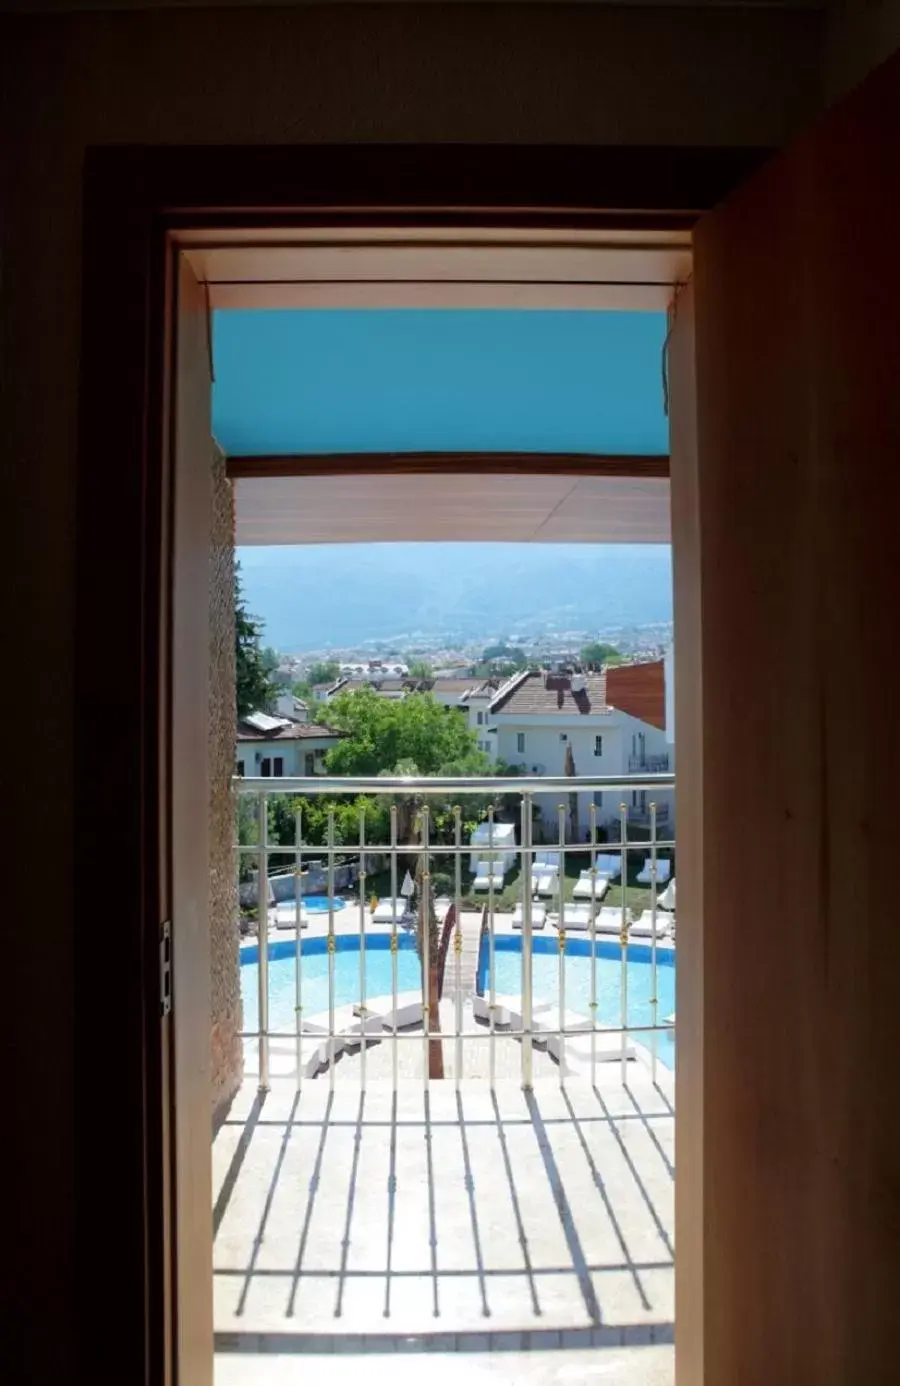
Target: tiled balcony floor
x=465 y=1221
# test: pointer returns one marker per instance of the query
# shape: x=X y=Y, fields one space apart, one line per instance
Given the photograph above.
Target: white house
x=282 y=745
x=476 y=701
x=614 y=722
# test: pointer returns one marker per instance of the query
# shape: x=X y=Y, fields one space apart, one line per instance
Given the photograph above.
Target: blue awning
x=434 y=380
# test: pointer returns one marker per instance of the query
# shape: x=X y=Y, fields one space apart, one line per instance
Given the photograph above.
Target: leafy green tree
x=323 y=672
x=382 y=732
x=255 y=688
x=509 y=654
x=420 y=669
x=597 y=652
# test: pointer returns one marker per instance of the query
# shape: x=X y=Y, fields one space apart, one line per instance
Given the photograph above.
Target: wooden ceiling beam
x=449 y=463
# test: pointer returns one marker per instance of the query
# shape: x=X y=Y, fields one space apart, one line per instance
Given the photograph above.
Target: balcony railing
x=648 y=764
x=512 y=870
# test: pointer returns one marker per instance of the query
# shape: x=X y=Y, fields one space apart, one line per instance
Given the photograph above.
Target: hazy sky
x=312 y=595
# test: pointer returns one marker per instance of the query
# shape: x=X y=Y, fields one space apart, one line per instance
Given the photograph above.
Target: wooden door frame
x=134 y=200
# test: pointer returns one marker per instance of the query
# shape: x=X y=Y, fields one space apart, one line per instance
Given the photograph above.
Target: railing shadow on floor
x=564 y=1175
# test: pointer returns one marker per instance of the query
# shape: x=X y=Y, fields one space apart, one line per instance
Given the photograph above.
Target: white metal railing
x=326 y=1036
x=648 y=764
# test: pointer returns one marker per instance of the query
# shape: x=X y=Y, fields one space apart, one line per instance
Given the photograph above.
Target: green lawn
x=637 y=897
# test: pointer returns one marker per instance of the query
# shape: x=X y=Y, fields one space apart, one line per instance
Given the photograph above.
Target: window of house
x=240 y=767
x=479 y=717
x=598 y=745
x=265 y=766
x=309 y=763
x=520 y=743
x=278 y=765
x=598 y=798
x=563 y=736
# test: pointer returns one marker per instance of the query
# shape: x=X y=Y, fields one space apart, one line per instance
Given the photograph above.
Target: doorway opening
x=343 y=1095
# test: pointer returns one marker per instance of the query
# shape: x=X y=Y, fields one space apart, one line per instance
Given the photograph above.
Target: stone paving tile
x=568 y=1365
x=494 y=1208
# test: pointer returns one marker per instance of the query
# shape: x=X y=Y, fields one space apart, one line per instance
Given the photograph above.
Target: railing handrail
x=457 y=784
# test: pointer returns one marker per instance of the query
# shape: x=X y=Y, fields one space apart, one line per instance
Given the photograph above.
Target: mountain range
x=343 y=594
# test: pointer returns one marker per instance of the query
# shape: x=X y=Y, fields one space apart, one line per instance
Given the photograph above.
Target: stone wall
x=225 y=988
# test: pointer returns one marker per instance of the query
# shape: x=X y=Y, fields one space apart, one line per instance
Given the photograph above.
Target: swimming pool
x=318 y=904
x=545 y=981
x=314 y=963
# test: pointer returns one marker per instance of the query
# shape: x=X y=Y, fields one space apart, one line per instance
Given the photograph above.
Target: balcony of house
x=648 y=765
x=456 y=1125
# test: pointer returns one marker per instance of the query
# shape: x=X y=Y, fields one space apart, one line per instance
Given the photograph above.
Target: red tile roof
x=402 y=685
x=637 y=689
x=552 y=693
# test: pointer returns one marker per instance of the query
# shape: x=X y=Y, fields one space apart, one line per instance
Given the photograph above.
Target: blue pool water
x=314 y=962
x=545 y=981
x=318 y=904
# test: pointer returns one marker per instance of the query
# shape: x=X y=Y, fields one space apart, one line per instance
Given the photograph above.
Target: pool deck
x=347 y=921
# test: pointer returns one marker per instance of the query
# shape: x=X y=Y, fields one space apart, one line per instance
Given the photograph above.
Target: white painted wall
x=545 y=749
x=293 y=752
x=487 y=740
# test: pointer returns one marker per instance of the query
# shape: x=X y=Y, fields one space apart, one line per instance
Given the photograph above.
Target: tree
x=255 y=688
x=570 y=772
x=509 y=654
x=412 y=810
x=427 y=925
x=420 y=669
x=382 y=732
x=600 y=653
x=326 y=671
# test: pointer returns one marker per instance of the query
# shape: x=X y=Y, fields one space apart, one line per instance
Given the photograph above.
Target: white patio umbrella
x=666 y=900
x=408 y=886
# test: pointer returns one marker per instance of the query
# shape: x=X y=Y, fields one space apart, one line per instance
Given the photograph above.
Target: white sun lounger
x=663 y=871
x=408 y=1011
x=609 y=864
x=316 y=1049
x=538 y=915
x=609 y=919
x=576 y=1049
x=574 y=917
x=588 y=888
x=486 y=876
x=643 y=927
x=284 y=916
x=387 y=908
x=545 y=880
x=666 y=898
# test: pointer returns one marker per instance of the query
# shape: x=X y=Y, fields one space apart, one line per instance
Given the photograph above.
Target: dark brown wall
x=639 y=690
x=798 y=421
x=516 y=74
